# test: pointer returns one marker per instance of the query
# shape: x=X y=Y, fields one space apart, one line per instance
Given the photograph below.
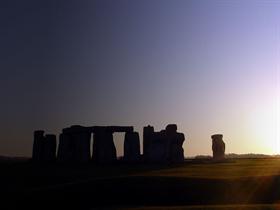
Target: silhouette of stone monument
x=218 y=147
x=131 y=147
x=104 y=150
x=163 y=146
x=74 y=144
x=148 y=132
x=49 y=148
x=44 y=147
x=64 y=152
x=38 y=141
x=175 y=143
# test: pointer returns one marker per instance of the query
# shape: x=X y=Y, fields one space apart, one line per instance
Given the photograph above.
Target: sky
x=208 y=66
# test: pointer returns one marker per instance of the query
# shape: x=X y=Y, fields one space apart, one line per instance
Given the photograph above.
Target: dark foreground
x=235 y=184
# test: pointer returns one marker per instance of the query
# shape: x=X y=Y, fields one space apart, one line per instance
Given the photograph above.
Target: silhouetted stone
x=81 y=139
x=49 y=149
x=104 y=150
x=38 y=144
x=148 y=132
x=218 y=147
x=171 y=128
x=67 y=146
x=164 y=146
x=131 y=147
x=176 y=148
x=64 y=153
x=83 y=147
x=74 y=144
x=157 y=150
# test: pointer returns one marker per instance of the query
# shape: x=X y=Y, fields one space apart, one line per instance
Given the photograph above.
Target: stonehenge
x=165 y=146
x=218 y=147
x=75 y=145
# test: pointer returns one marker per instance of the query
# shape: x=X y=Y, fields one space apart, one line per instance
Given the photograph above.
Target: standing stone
x=49 y=154
x=148 y=133
x=74 y=144
x=164 y=146
x=64 y=153
x=131 y=147
x=176 y=148
x=80 y=143
x=67 y=146
x=38 y=142
x=104 y=150
x=218 y=147
x=175 y=142
x=157 y=150
x=61 y=148
x=82 y=140
x=170 y=138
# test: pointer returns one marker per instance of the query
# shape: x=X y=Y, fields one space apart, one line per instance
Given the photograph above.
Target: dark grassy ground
x=212 y=207
x=192 y=185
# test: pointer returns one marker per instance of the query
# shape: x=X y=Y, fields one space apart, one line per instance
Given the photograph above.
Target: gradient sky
x=208 y=66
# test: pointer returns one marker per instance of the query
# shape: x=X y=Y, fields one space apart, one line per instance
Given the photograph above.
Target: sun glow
x=265 y=126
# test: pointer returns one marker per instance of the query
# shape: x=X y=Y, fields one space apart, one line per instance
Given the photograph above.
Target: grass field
x=195 y=184
x=211 y=207
x=231 y=169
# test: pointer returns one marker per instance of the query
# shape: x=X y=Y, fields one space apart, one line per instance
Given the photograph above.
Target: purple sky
x=209 y=66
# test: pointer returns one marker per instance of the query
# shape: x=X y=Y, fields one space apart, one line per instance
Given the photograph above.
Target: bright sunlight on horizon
x=265 y=125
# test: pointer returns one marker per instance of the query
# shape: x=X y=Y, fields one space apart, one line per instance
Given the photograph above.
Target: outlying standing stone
x=218 y=147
